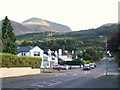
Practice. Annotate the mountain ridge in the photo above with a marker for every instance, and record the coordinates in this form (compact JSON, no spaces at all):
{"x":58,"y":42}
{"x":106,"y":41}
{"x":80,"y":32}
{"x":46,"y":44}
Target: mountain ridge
{"x":37,"y":25}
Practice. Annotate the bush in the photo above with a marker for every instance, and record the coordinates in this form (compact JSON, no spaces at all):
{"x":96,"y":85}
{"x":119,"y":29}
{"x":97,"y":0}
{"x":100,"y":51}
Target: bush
{"x":86,"y":61}
{"x":87,"y":56}
{"x":9,"y":60}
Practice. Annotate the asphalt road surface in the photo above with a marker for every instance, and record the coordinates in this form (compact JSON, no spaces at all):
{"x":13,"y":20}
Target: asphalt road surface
{"x":75,"y":78}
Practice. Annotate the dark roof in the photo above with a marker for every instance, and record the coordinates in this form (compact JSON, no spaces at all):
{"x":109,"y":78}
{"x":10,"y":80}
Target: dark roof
{"x":46,"y":52}
{"x":53,"y":54}
{"x":24,"y":48}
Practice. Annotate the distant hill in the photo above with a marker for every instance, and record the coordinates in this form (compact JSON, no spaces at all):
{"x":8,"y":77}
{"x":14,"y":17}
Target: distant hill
{"x":106,"y":30}
{"x":40,"y":25}
{"x":102,"y":31}
{"x":36,"y":25}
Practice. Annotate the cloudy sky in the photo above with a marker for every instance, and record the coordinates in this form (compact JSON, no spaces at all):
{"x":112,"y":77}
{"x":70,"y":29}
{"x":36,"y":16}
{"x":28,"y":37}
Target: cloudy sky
{"x":77,"y":14}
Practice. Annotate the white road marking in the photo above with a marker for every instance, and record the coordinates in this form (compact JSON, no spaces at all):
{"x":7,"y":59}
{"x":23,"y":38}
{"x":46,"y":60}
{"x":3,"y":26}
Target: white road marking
{"x":64,"y":74}
{"x":74,"y":74}
{"x":54,"y":83}
{"x":46,"y":83}
{"x":37,"y":84}
{"x":100,"y":75}
{"x":86,"y":72}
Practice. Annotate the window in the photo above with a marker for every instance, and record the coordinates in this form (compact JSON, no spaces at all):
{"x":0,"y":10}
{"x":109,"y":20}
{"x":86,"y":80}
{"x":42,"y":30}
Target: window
{"x":23,"y":54}
{"x":36,"y":53}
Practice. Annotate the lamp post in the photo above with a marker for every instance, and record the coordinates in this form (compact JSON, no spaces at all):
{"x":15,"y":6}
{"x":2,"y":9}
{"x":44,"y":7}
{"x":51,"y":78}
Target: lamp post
{"x":106,"y":61}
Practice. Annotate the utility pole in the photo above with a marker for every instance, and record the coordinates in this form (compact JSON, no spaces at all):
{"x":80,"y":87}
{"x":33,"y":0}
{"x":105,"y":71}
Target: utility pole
{"x":106,"y":60}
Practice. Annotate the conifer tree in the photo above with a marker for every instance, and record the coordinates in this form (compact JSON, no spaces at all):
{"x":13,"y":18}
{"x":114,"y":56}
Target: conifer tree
{"x":8,"y":37}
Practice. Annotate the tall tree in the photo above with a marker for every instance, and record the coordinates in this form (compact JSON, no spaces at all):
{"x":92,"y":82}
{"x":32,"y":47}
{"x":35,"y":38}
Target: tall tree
{"x":8,"y":37}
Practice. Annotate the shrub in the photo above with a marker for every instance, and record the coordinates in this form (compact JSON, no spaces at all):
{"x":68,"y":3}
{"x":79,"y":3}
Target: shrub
{"x":86,"y":61}
{"x":9,"y":60}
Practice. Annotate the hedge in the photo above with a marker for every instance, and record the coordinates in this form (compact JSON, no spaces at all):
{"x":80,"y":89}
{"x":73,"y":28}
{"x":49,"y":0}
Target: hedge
{"x":9,"y":60}
{"x":75,"y":62}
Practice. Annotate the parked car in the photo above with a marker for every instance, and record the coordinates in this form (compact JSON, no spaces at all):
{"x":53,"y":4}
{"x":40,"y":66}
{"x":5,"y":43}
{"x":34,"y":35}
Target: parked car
{"x":65,"y":67}
{"x":109,"y":60}
{"x":86,"y":68}
{"x":57,"y":67}
{"x":95,"y":64}
{"x":92,"y":66}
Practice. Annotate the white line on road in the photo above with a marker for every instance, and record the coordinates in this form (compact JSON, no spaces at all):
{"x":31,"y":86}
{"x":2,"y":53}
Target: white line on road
{"x":64,"y":74}
{"x":37,"y":84}
{"x":74,"y":74}
{"x":86,"y":72}
{"x":100,"y":75}
{"x":54,"y":83}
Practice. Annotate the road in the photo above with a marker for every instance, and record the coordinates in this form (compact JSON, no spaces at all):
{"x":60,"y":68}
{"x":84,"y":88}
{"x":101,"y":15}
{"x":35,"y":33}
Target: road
{"x":75,"y":78}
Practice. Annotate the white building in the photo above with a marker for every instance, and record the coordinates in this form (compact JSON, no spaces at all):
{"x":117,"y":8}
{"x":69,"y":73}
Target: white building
{"x":49,"y":58}
{"x":64,"y":57}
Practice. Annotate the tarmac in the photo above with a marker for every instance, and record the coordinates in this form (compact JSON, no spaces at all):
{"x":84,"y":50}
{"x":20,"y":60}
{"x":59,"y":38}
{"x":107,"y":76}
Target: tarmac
{"x":28,"y":77}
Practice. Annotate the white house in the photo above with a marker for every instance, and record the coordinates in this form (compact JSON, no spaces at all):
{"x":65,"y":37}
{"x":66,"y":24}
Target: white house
{"x":31,"y":51}
{"x":65,"y":57}
{"x":50,"y":58}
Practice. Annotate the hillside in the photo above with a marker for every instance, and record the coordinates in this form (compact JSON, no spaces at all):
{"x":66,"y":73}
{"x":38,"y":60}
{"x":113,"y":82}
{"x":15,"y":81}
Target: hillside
{"x":36,"y":25}
{"x":102,"y":31}
{"x":40,"y":25}
{"x":76,"y":40}
{"x":19,"y":28}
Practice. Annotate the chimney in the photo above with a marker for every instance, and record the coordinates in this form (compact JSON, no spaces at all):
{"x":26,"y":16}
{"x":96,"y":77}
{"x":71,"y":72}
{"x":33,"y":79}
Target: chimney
{"x":56,"y":54}
{"x":49,"y":52}
{"x":73,"y":51}
{"x":59,"y":52}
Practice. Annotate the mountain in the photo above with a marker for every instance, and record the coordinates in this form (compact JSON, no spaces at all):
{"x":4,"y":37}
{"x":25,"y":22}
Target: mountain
{"x":36,"y":25}
{"x":19,"y":28}
{"x":41,"y":25}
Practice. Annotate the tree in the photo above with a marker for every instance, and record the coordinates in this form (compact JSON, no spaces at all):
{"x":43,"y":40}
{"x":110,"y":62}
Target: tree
{"x":8,"y":37}
{"x":92,"y":54}
{"x":114,"y":45}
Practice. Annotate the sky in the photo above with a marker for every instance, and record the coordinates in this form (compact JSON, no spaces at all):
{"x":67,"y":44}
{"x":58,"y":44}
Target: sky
{"x":76,"y":14}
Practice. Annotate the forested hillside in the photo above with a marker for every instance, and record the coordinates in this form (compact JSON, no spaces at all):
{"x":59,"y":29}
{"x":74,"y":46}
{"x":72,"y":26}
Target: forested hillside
{"x":103,"y":31}
{"x":77,"y":40}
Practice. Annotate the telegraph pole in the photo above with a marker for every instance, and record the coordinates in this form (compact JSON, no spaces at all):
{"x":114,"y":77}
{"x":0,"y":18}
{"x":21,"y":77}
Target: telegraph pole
{"x":106,"y":60}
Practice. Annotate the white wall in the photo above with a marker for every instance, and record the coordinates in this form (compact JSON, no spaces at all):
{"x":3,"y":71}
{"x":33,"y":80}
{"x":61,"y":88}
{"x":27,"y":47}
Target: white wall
{"x":14,"y":72}
{"x":37,"y":49}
